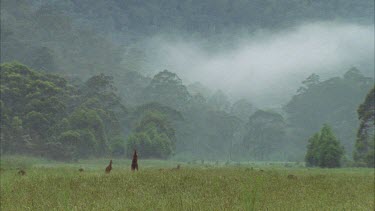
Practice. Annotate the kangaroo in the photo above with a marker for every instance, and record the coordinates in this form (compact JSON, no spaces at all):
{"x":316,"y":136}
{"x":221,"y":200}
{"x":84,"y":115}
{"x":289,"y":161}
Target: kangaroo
{"x":109,"y":167}
{"x":291,"y":176}
{"x":177,"y":168}
{"x":22,"y":172}
{"x":135,"y":161}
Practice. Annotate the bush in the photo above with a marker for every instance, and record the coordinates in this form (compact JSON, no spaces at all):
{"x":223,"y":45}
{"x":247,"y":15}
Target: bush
{"x":324,"y":150}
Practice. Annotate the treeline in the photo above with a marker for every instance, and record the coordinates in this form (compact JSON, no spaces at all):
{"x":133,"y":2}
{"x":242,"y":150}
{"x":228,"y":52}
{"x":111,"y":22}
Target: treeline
{"x":65,"y":118}
{"x":365,"y":143}
{"x":51,"y":116}
{"x":333,"y":101}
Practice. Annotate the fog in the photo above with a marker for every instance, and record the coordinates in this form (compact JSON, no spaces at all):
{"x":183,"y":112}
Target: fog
{"x":86,"y":79}
{"x":267,"y":67}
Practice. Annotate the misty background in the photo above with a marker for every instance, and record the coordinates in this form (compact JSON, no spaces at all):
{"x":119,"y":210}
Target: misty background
{"x":266,"y":67}
{"x":232,"y":66}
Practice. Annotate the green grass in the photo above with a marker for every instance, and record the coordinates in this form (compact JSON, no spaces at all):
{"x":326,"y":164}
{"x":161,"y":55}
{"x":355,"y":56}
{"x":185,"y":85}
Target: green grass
{"x":59,"y":186}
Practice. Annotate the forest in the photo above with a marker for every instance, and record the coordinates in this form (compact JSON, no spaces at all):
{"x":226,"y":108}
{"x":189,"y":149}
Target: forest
{"x":187,"y":105}
{"x":78,"y":81}
{"x":62,"y":118}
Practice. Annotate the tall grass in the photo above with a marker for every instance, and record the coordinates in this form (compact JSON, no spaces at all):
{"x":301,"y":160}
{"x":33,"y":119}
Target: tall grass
{"x":58,"y":186}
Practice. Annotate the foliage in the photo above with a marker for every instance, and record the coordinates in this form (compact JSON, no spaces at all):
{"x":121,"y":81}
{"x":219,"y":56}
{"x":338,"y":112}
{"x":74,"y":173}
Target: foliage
{"x":42,"y":114}
{"x":364,"y":146}
{"x":32,"y":103}
{"x":324,"y":149}
{"x":154,"y":137}
{"x":312,"y":154}
{"x":166,"y":88}
{"x":171,"y":121}
{"x":333,"y":101}
{"x":118,"y":146}
{"x":64,"y":121}
{"x":131,"y":85}
{"x":154,"y":107}
{"x":206,"y":132}
{"x":265,"y":134}
{"x":242,"y":109}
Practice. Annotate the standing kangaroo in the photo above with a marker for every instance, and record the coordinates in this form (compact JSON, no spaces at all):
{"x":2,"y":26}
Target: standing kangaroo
{"x":135,"y":161}
{"x":109,"y":167}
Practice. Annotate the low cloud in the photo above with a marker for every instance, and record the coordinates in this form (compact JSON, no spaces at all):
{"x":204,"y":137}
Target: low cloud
{"x":266,"y":67}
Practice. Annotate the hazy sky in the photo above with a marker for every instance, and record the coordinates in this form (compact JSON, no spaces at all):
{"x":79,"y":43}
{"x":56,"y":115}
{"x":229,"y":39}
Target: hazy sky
{"x":266,"y":67}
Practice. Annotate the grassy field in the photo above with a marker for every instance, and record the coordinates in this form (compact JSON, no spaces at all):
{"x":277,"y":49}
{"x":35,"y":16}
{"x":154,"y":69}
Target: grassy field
{"x":246,"y":186}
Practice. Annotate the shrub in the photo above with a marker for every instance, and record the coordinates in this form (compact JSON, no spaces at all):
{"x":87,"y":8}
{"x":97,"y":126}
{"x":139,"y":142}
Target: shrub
{"x":324,"y":150}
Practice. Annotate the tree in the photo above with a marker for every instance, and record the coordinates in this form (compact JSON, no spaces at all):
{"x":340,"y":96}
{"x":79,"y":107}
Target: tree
{"x":330,"y":152}
{"x":104,"y":113}
{"x":153,"y":138}
{"x":154,"y":107}
{"x":242,"y":109}
{"x":167,"y":88}
{"x":333,"y":101}
{"x":219,"y":101}
{"x":43,"y":114}
{"x":324,"y":150}
{"x":131,"y":85}
{"x":100,"y":83}
{"x":265,"y":134}
{"x":37,"y":122}
{"x":312,"y":156}
{"x":32,"y":105}
{"x":69,"y":140}
{"x":118,"y":146}
{"x":88,"y":119}
{"x":364,"y":146}
{"x":197,"y":88}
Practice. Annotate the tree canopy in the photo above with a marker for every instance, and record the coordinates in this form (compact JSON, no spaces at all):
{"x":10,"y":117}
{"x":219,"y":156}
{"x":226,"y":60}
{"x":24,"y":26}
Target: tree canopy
{"x":365,"y":142}
{"x":333,"y":101}
{"x":324,"y":150}
{"x":63,"y":118}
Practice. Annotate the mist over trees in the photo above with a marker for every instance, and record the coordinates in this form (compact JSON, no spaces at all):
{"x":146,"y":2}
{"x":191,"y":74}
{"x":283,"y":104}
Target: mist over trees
{"x":47,"y":115}
{"x":87,"y":37}
{"x":265,"y":135}
{"x":86,"y":84}
{"x":333,"y":101}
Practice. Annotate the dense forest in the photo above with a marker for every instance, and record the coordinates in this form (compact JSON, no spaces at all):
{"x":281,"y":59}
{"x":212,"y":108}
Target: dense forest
{"x":77,"y":82}
{"x":59,"y":117}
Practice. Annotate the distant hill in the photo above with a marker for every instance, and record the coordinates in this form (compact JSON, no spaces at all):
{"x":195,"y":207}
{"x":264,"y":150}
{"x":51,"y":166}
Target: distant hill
{"x":89,"y":36}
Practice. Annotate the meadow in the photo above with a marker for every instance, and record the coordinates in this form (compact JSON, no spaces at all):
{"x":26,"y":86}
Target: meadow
{"x":200,"y":185}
